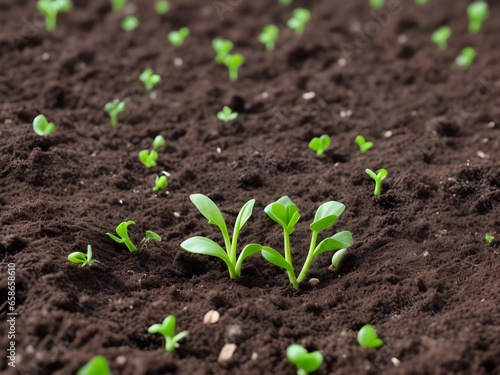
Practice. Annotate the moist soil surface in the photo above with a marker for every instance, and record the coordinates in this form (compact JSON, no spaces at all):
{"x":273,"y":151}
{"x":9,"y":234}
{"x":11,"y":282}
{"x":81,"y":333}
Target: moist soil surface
{"x":420,"y":270}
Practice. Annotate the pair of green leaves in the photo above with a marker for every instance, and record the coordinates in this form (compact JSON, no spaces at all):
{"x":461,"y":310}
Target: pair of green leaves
{"x":51,"y":8}
{"x":167,"y":330}
{"x":320,"y":144}
{"x":268,"y":36}
{"x":378,"y":178}
{"x":148,"y":158}
{"x":299,"y":20}
{"x":114,"y":109}
{"x":176,"y":38}
{"x":233,"y":62}
{"x":205,"y":246}
{"x":149,"y":79}
{"x":43,"y":127}
{"x":227,"y":114}
{"x":368,"y":338}
{"x":81,"y":258}
{"x":306,"y":362}
{"x":122,"y":231}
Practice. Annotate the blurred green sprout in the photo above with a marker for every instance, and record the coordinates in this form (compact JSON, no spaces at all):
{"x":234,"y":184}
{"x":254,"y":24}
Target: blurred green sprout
{"x":50,"y":8}
{"x":148,"y":158}
{"x":96,"y":366}
{"x":222,"y":47}
{"x":162,"y":6}
{"x":367,"y":337}
{"x":363,"y":144}
{"x":478,"y":12}
{"x":118,"y":5}
{"x":441,"y":36}
{"x":114,"y":109}
{"x":319,"y":145}
{"x":177,"y":38}
{"x":268,"y":36}
{"x":306,"y":362}
{"x":299,"y":20}
{"x":466,"y":57}
{"x":130,"y":23}
{"x":489,"y":238}
{"x":161,"y":183}
{"x":150,"y":235}
{"x":233,"y":63}
{"x":149,"y":78}
{"x":158,"y":142}
{"x":227,"y":114}
{"x":43,"y":127}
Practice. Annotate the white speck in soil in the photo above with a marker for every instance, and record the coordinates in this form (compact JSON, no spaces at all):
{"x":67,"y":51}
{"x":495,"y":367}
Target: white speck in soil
{"x":227,"y":352}
{"x":481,"y":154}
{"x":177,"y":215}
{"x":254,"y":356}
{"x":396,"y":362}
{"x":153,"y":95}
{"x":178,"y":61}
{"x":388,"y":134}
{"x":219,"y":150}
{"x":491,"y":125}
{"x":211,"y":317}
{"x":314,"y":281}
{"x":265,"y":95}
{"x":121,"y":360}
{"x":45,"y":56}
{"x":402,"y":39}
{"x":309,"y":95}
{"x":342,"y":62}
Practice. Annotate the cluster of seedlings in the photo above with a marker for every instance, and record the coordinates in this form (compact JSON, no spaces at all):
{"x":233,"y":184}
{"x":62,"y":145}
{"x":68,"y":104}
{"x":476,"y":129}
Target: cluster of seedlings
{"x":283,"y":212}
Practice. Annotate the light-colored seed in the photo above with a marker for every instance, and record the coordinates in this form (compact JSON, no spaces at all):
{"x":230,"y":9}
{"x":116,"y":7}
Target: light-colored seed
{"x":226,"y":353}
{"x":45,"y":56}
{"x":219,"y":150}
{"x":342,"y":62}
{"x":309,"y":95}
{"x":254,"y":356}
{"x":177,"y":215}
{"x":211,"y":317}
{"x":388,"y":134}
{"x":314,"y":281}
{"x":396,"y":362}
{"x":265,"y":95}
{"x":178,"y":61}
{"x":121,"y":360}
{"x":481,"y":154}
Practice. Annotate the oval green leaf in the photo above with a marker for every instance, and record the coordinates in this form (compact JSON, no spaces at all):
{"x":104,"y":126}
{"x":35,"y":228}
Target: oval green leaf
{"x":341,"y":240}
{"x":326,"y":215}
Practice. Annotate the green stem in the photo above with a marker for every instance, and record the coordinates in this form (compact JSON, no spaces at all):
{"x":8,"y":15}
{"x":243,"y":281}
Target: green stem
{"x":234,"y":244}
{"x":378,"y":187}
{"x":114,"y":119}
{"x":232,"y":271}
{"x":51,"y":21}
{"x":288,"y":258}
{"x":130,"y":246}
{"x":309,"y":259}
{"x":233,"y":75}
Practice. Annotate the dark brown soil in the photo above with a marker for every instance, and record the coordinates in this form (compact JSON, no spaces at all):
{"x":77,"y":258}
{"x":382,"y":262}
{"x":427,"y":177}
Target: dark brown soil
{"x":420,"y":270}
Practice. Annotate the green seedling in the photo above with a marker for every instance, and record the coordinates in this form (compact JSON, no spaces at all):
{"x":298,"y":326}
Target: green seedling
{"x":130,"y":23}
{"x":96,"y":366}
{"x":306,"y":362}
{"x":205,"y":246}
{"x":150,"y":235}
{"x":148,"y":158}
{"x":378,"y":178}
{"x":81,"y":258}
{"x":489,"y":238}
{"x":466,"y":57}
{"x":421,"y":2}
{"x":285,"y":213}
{"x":377,"y":4}
{"x":441,"y":36}
{"x":42,"y":127}
{"x":162,"y":6}
{"x":285,"y":2}
{"x":158,"y":142}
{"x":233,"y":63}
{"x":478,"y":12}
{"x":227,"y":114}
{"x":167,"y":330}
{"x":222,"y":47}
{"x":50,"y":8}
{"x":160,"y":183}
{"x":177,"y":37}
{"x":114,"y":109}
{"x":118,"y":5}
{"x":268,"y":36}
{"x":320,"y":144}
{"x":149,"y":78}
{"x":367,"y":337}
{"x":337,"y":257}
{"x":299,"y":20}
{"x":122,"y":231}
{"x":363,"y":144}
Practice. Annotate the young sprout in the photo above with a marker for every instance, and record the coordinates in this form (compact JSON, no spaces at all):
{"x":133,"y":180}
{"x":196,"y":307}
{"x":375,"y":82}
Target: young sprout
{"x":421,"y":2}
{"x":162,"y":6}
{"x":305,"y":362}
{"x":150,"y":235}
{"x":337,"y":257}
{"x":118,"y":5}
{"x":227,"y":114}
{"x":130,"y":23}
{"x":320,"y":144}
{"x":205,"y":246}
{"x":286,"y":214}
{"x":177,"y":37}
{"x":478,"y":12}
{"x":122,"y":231}
{"x":268,"y":36}
{"x":441,"y":36}
{"x":377,"y":4}
{"x":466,"y":57}
{"x":114,"y":109}
{"x":81,"y":258}
{"x":167,"y":330}
{"x":233,"y":63}
{"x":489,"y":238}
{"x":96,"y":366}
{"x":378,"y":178}
{"x":222,"y":47}
{"x":367,"y":337}
{"x":363,"y":144}
{"x":50,"y":8}
{"x":299,"y":20}
{"x":148,"y":158}
{"x":158,"y":142}
{"x":160,"y":183}
{"x":149,"y":78}
{"x":42,"y":127}
{"x":285,"y":2}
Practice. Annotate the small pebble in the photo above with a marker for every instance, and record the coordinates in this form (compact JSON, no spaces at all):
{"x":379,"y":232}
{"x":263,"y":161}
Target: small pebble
{"x":166,"y":173}
{"x":121,"y":201}
{"x":485,"y":140}
{"x":226,"y":353}
{"x":211,"y":317}
{"x":342,"y":62}
{"x":402,"y":39}
{"x":309,"y":95}
{"x":491,"y":125}
{"x":396,"y":362}
{"x":264,"y":95}
{"x":7,"y":121}
{"x":388,"y":134}
{"x":425,"y":254}
{"x":219,"y":150}
{"x":254,"y":356}
{"x":314,"y":281}
{"x":45,"y":56}
{"x":481,"y":154}
{"x":121,"y":360}
{"x":153,"y":95}
{"x":178,"y":61}
{"x":177,"y":215}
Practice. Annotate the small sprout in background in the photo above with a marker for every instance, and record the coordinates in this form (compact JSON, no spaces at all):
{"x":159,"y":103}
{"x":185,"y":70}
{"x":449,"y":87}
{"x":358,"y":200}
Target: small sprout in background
{"x":205,"y":246}
{"x":177,"y":37}
{"x":167,"y":330}
{"x":478,"y":12}
{"x":114,"y":109}
{"x":150,"y":235}
{"x":299,"y":20}
{"x":233,"y":63}
{"x":363,"y":144}
{"x":161,"y":183}
{"x":42,"y":127}
{"x":50,"y":8}
{"x":148,"y":158}
{"x":320,"y":144}
{"x":367,"y":337}
{"x":337,"y":257}
{"x":118,"y":5}
{"x":227,"y":114}
{"x":285,"y":2}
{"x":489,"y":238}
{"x":96,"y":366}
{"x":222,"y":47}
{"x":130,"y":23}
{"x":122,"y":231}
{"x":378,"y":178}
{"x":306,"y":362}
{"x":421,"y":2}
{"x":466,"y":57}
{"x":81,"y":258}
{"x":162,"y":6}
{"x":268,"y":36}
{"x":377,"y":4}
{"x":441,"y":36}
{"x":149,"y":78}
{"x":159,"y":141}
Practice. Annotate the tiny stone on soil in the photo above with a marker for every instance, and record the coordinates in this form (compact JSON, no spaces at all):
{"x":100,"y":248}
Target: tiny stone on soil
{"x":45,"y":56}
{"x":309,"y":95}
{"x":219,"y":150}
{"x":388,"y":134}
{"x":481,"y":154}
{"x":121,"y":360}
{"x":491,"y":125}
{"x":211,"y":317}
{"x":254,"y":356}
{"x":402,"y":39}
{"x":485,"y":140}
{"x":425,"y":254}
{"x":342,"y":62}
{"x":233,"y":331}
{"x":177,"y":215}
{"x":153,"y":95}
{"x":396,"y":362}
{"x":264,"y":95}
{"x":314,"y":281}
{"x":226,"y":353}
{"x":178,"y":61}
{"x":7,"y":121}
